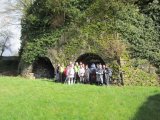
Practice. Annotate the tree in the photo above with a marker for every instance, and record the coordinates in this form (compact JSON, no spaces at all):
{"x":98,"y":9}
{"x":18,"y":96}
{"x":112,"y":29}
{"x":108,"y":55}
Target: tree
{"x":9,"y":22}
{"x":151,"y":8}
{"x":5,"y":43}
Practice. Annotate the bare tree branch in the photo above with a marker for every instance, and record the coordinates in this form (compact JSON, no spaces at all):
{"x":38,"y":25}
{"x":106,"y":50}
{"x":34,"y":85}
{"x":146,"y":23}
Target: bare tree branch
{"x":5,"y":41}
{"x":21,"y":4}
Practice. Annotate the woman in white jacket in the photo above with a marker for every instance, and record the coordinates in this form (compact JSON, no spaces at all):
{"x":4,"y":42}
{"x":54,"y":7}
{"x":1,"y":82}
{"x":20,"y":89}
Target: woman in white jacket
{"x":70,"y":74}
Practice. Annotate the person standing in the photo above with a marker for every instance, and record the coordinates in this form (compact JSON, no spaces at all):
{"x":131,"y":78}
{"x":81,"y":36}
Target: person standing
{"x":93,"y":70}
{"x":87,"y":74}
{"x":106,"y":75}
{"x":81,"y":73}
{"x":110,"y":74}
{"x":99,"y":74}
{"x":76,"y":69}
{"x":104,"y":67}
{"x":61,"y":75}
{"x":70,"y":74}
{"x":66,"y":71}
{"x":57,"y":73}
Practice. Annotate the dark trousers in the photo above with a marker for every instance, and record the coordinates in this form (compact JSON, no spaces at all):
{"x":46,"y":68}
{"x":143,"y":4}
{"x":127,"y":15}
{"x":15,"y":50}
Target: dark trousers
{"x":86,"y":79}
{"x":76,"y":77}
{"x":92,"y":78}
{"x":100,"y":79}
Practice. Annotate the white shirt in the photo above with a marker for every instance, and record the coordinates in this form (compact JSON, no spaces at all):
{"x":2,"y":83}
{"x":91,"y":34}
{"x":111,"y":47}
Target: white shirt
{"x":81,"y":71}
{"x":71,"y":72}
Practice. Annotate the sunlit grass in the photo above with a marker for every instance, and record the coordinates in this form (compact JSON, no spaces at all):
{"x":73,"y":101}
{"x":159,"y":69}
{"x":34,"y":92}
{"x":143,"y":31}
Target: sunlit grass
{"x":23,"y":99}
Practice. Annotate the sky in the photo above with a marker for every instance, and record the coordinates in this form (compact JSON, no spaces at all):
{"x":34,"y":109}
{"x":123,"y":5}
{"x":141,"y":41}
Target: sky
{"x":10,"y":21}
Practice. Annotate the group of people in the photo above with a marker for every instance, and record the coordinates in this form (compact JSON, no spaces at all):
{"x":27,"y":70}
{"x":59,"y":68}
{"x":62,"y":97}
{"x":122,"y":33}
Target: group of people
{"x":81,"y":73}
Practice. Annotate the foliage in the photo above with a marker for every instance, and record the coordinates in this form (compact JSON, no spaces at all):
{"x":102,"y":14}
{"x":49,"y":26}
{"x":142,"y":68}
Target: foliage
{"x":135,"y":28}
{"x":37,"y":17}
{"x":43,"y":99}
{"x":90,"y":25}
{"x":114,"y":47}
{"x":135,"y":74}
{"x":144,"y":65}
{"x":151,"y":8}
{"x":138,"y":77}
{"x":39,"y":46}
{"x":116,"y":70}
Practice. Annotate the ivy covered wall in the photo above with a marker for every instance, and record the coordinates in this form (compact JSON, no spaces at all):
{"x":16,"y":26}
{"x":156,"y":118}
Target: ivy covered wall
{"x":63,"y":30}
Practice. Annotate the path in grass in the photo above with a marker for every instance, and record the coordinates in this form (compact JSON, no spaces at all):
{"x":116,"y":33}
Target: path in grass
{"x":22,"y":99}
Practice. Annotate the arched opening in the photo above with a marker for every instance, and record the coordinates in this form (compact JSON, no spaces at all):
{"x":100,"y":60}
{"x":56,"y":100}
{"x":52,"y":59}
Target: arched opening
{"x":90,"y":58}
{"x":43,"y":68}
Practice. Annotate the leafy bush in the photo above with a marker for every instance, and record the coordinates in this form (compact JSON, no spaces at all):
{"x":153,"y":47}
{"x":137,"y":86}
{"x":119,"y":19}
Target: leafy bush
{"x":139,"y":77}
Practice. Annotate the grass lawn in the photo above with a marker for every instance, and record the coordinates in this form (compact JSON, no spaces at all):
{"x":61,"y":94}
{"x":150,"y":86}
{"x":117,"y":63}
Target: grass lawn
{"x":22,"y":99}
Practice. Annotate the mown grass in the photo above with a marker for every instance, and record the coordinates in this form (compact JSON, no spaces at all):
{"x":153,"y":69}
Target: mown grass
{"x":22,"y":99}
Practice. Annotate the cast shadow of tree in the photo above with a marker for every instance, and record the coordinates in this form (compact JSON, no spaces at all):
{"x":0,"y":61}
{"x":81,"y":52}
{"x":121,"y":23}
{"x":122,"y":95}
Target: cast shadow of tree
{"x":150,"y":110}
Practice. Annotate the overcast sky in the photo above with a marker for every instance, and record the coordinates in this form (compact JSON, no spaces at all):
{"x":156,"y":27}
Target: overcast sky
{"x":10,"y":21}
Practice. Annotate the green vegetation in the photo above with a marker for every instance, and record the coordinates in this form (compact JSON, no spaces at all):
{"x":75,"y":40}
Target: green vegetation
{"x":138,"y":77}
{"x":75,"y":24}
{"x":151,"y":8}
{"x":113,"y":29}
{"x":139,"y":72}
{"x":44,"y":100}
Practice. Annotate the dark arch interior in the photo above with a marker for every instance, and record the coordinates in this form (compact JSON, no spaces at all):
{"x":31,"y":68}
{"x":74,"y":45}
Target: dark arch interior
{"x":43,"y":68}
{"x":90,"y":58}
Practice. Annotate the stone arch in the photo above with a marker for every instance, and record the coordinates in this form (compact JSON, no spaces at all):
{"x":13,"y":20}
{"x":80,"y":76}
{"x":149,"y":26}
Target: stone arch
{"x":43,"y":68}
{"x":89,"y":58}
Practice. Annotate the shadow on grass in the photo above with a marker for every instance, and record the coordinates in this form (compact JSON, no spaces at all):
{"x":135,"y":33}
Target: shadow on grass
{"x":150,"y":110}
